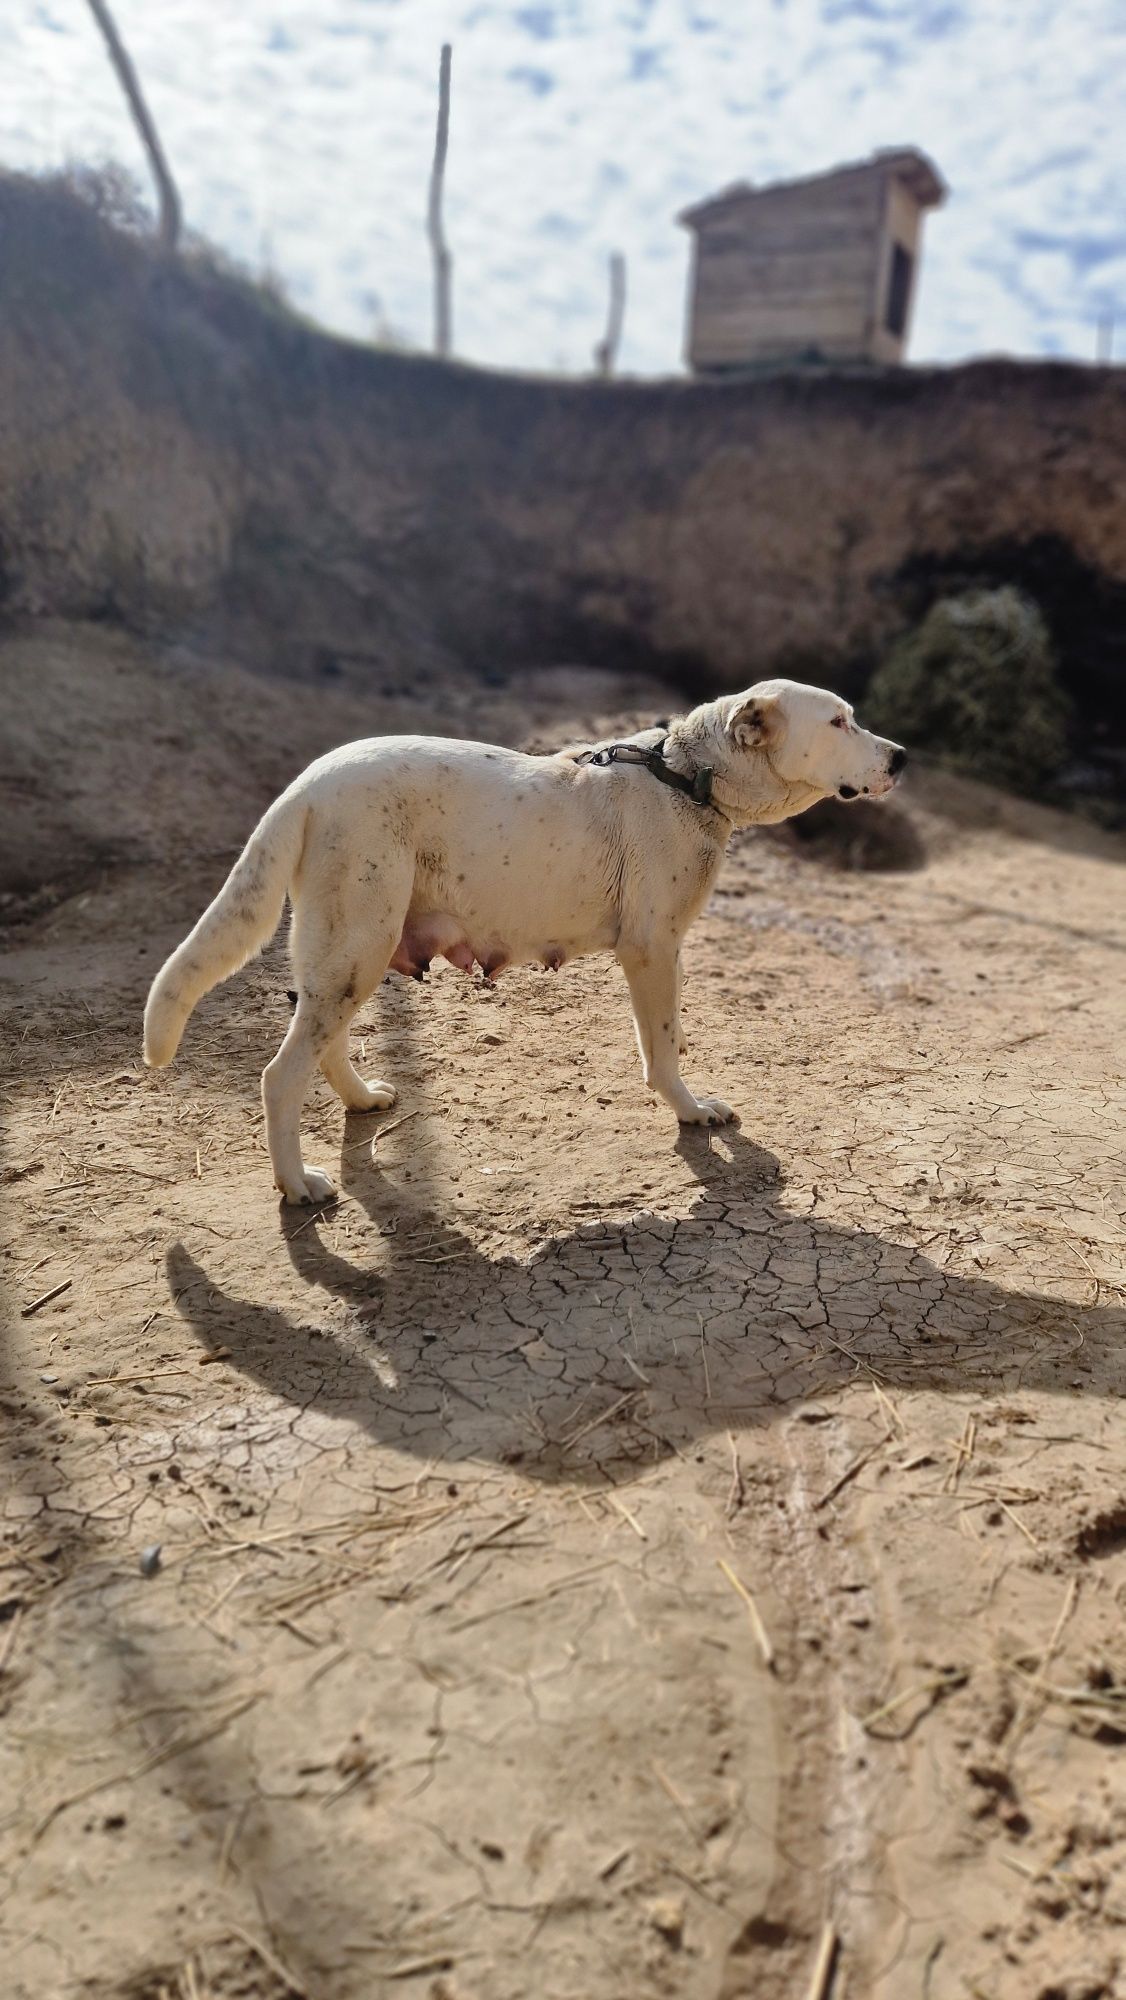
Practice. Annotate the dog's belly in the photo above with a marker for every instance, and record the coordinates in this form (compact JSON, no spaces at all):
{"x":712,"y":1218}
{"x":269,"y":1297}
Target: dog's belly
{"x":438,"y":934}
{"x":516,"y":859}
{"x":432,"y":935}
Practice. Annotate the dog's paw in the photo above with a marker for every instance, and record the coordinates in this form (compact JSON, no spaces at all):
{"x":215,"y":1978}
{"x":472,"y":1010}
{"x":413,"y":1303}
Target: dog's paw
{"x":708,"y":1111}
{"x":373,"y":1096}
{"x":311,"y":1191}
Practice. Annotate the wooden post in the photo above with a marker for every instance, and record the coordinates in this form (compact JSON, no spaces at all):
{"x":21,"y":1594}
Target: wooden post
{"x":606,"y":350}
{"x":443,"y":263}
{"x":170,"y":215}
{"x":1104,"y":338}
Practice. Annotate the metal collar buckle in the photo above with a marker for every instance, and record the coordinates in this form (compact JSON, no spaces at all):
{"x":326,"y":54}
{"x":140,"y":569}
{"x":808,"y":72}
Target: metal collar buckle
{"x":698,"y":787}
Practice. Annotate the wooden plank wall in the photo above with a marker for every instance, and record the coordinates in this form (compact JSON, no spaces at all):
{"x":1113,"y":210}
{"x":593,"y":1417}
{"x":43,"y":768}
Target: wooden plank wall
{"x":902,"y":224}
{"x":796,"y":268}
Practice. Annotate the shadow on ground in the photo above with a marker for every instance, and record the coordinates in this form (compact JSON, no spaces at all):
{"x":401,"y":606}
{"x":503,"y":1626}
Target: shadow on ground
{"x":624,"y":1342}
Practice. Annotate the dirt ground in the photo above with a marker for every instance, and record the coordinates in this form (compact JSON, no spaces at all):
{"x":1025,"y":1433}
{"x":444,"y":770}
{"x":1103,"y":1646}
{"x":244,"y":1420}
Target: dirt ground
{"x":595,"y":1562}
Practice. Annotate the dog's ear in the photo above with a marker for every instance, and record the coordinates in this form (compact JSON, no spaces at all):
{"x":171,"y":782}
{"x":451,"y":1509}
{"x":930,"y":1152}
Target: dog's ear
{"x":754,"y":721}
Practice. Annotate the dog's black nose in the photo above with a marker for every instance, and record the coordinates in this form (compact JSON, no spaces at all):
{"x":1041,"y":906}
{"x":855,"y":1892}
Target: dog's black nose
{"x":896,"y":762}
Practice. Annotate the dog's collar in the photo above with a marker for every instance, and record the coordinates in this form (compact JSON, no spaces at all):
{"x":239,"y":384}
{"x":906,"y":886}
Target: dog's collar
{"x":698,"y":787}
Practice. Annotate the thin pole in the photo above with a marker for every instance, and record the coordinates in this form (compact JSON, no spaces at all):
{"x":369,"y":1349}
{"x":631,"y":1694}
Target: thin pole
{"x":606,"y":351}
{"x":170,"y":215}
{"x":443,"y":262}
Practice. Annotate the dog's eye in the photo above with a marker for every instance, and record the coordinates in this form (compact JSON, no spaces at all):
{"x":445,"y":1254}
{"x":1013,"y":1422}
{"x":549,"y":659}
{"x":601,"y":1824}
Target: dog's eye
{"x":839,"y":722}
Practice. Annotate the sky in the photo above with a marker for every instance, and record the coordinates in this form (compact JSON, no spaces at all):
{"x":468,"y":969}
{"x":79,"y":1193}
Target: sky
{"x":301,"y":135}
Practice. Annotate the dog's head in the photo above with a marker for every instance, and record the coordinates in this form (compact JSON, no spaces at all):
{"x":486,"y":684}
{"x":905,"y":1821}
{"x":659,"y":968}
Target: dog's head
{"x":809,"y":742}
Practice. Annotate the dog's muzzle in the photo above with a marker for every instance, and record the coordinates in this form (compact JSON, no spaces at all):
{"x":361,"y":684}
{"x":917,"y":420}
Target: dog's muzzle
{"x":896,"y":762}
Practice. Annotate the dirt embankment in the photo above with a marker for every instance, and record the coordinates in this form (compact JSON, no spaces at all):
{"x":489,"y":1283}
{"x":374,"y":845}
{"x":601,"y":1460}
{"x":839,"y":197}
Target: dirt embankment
{"x":180,"y":454}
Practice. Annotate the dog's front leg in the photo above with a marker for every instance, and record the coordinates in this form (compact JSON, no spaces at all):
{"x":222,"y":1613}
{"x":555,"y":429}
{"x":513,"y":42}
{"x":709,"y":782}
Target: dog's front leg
{"x":681,"y":1044}
{"x":653,"y":973}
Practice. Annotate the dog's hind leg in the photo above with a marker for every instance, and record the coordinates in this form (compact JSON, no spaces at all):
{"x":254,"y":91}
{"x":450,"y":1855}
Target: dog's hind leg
{"x":338,"y":1070}
{"x":343,"y":939}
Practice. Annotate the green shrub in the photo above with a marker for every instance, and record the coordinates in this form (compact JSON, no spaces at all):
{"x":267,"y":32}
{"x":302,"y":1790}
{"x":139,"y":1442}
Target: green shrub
{"x":975,"y":685}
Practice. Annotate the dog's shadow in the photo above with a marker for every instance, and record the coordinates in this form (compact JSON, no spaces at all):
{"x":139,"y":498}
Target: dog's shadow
{"x":624,"y":1341}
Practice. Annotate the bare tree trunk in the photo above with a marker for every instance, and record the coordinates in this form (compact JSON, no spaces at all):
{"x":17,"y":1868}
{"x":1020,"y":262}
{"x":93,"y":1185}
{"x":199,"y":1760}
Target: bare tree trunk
{"x":606,"y":351}
{"x":127,"y":77}
{"x":443,"y":263}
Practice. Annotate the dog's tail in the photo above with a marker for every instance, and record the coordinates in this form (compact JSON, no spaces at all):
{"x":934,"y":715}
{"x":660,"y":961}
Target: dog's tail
{"x":243,"y":917}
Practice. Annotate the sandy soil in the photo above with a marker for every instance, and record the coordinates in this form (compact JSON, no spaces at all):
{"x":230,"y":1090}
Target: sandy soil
{"x":595,"y":1562}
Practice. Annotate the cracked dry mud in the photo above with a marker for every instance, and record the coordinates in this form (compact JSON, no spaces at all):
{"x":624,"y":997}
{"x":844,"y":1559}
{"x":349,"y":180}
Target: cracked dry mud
{"x":447,"y":1682}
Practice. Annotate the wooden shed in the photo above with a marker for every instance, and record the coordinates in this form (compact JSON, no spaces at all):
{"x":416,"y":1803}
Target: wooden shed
{"x":821,"y":269}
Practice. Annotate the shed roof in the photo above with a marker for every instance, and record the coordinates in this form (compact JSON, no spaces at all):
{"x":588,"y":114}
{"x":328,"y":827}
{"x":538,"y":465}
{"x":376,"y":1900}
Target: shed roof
{"x":903,"y":163}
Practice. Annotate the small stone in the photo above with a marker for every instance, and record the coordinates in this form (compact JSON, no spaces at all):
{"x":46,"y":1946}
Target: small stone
{"x":150,"y":1560}
{"x":666,"y":1914}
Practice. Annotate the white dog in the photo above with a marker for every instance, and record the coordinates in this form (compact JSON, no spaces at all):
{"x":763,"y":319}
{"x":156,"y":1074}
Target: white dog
{"x":404,"y":848}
